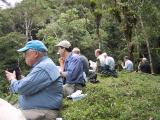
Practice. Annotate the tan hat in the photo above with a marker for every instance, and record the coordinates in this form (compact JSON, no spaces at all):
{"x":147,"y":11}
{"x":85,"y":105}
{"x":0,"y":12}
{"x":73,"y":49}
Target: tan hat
{"x":64,"y":43}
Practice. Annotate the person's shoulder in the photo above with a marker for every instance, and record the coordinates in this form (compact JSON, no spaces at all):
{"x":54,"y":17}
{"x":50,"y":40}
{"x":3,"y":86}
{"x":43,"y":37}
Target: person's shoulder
{"x":47,"y":62}
{"x":72,"y":58}
{"x":100,"y":57}
{"x":109,"y":57}
{"x":75,"y":57}
{"x":129,"y":61}
{"x":83,"y":57}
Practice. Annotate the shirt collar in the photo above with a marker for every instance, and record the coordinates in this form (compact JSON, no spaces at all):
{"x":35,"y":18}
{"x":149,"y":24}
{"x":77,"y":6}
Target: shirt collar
{"x":70,"y":54}
{"x":39,"y":60}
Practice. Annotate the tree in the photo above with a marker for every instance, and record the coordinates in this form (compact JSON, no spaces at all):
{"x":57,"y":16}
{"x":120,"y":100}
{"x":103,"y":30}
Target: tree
{"x":9,"y":44}
{"x":31,"y":14}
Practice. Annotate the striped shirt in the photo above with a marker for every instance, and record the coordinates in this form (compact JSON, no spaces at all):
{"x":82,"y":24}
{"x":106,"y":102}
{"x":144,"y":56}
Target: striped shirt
{"x":41,"y":88}
{"x":73,"y":66}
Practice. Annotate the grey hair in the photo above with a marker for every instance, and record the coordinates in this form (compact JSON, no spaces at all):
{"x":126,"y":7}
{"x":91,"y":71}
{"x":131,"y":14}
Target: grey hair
{"x":76,"y":50}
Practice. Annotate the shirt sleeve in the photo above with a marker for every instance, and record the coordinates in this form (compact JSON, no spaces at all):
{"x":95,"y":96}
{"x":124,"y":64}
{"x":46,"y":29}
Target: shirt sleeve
{"x":35,"y":81}
{"x":73,"y":70}
{"x":125,"y":65}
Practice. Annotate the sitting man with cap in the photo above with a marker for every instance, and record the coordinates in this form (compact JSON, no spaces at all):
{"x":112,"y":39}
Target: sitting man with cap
{"x":73,"y":69}
{"x":41,"y":90}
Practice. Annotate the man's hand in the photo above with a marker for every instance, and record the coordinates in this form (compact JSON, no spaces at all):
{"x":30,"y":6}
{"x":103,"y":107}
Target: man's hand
{"x":10,"y":76}
{"x":61,"y":62}
{"x":122,"y":64}
{"x":63,"y":74}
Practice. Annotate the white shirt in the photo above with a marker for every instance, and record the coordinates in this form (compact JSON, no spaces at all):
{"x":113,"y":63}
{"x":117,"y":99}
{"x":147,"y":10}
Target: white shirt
{"x":128,"y":65}
{"x":102,"y":60}
{"x":110,"y":61}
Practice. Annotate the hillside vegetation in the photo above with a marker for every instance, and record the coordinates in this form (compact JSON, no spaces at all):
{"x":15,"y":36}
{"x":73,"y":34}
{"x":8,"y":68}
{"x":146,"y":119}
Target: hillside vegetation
{"x":131,"y":96}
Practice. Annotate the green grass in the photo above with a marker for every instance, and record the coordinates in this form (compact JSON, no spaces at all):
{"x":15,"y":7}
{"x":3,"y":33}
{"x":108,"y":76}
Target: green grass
{"x":131,"y":96}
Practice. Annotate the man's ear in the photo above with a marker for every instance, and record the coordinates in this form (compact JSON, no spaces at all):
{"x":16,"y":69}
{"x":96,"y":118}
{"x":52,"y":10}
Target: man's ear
{"x":36,"y":54}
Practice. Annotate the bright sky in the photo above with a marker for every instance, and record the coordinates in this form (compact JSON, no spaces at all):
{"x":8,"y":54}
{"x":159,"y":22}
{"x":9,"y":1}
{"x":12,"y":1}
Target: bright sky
{"x":12,"y":2}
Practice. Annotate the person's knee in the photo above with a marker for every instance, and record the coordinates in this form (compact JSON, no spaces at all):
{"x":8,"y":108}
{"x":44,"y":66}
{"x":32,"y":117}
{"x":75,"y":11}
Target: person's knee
{"x":68,"y":89}
{"x":33,"y":115}
{"x":36,"y":114}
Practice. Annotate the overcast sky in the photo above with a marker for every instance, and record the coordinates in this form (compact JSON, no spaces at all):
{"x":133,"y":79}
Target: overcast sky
{"x":12,"y":3}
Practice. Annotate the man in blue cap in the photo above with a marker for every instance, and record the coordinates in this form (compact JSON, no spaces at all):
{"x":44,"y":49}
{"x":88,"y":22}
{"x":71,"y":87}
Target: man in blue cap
{"x":41,"y":90}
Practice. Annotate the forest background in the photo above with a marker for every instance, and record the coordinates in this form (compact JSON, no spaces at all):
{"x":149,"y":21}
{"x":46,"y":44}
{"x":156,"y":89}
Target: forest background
{"x":117,"y":27}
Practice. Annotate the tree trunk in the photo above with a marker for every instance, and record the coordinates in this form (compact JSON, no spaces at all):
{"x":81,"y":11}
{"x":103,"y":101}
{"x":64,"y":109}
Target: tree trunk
{"x":28,"y":25}
{"x":148,"y":46}
{"x":26,"y":28}
{"x":98,"y":37}
{"x":128,"y":32}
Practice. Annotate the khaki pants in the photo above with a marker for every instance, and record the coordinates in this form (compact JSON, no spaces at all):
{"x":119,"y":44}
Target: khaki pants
{"x":35,"y":114}
{"x":68,"y":89}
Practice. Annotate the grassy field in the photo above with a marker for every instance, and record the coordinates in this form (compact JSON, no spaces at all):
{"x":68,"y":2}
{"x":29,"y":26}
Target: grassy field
{"x":131,"y":96}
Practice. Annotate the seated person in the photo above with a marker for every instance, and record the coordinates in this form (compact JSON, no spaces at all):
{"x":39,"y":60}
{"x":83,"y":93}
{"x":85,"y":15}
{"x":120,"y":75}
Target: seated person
{"x":101,"y":60}
{"x":109,"y":68}
{"x":84,"y":61}
{"x":110,"y":63}
{"x":72,"y":69}
{"x":128,"y":64}
{"x":144,"y":66}
{"x":104,"y":64}
{"x":97,"y":67}
{"x":41,"y":90}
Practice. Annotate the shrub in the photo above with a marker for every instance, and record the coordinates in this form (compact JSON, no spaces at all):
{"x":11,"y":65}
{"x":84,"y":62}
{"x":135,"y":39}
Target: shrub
{"x":130,"y":96}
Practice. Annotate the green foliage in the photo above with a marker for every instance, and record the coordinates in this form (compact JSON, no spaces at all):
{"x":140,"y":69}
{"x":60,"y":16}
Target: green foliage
{"x":6,"y":23}
{"x":3,"y":86}
{"x":156,"y":56}
{"x":8,"y":46}
{"x":69,"y":26}
{"x":86,"y":24}
{"x":93,"y":4}
{"x":130,"y":96}
{"x":156,"y":51}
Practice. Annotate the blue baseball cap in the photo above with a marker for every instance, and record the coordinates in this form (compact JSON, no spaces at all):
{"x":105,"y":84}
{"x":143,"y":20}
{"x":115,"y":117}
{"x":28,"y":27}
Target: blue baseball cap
{"x":34,"y":45}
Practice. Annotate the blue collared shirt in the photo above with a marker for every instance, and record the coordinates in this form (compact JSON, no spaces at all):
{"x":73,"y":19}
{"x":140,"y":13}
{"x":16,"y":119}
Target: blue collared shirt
{"x":73,"y":67}
{"x":41,"y":88}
